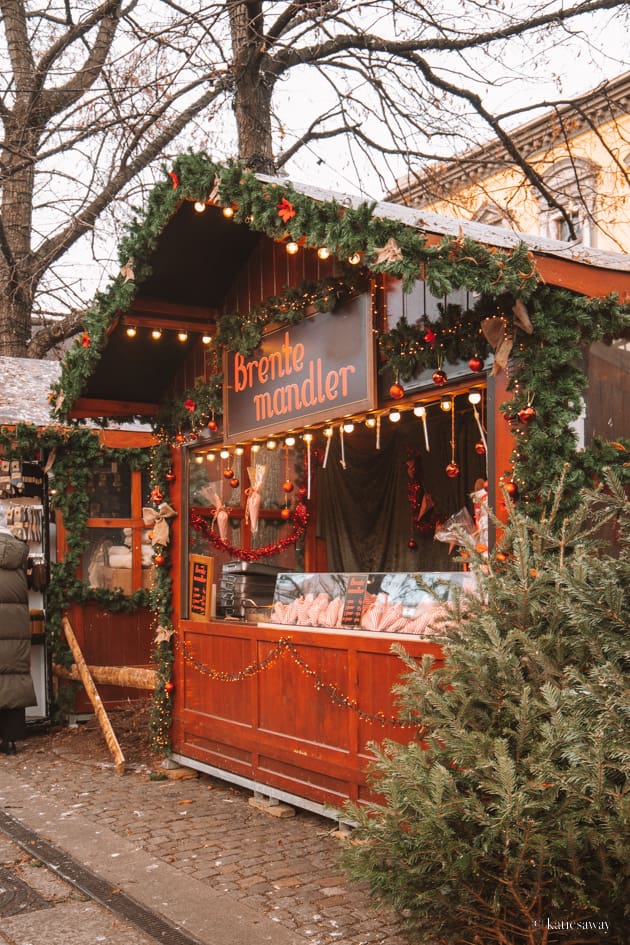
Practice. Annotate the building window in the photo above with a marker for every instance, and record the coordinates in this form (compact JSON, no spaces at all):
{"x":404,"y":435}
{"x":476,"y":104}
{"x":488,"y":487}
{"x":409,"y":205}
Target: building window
{"x":573,"y":183}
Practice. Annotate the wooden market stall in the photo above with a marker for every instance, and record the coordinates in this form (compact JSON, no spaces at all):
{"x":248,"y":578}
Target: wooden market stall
{"x":327,"y":383}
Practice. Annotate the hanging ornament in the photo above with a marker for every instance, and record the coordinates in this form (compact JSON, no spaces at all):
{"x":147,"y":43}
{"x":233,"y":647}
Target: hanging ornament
{"x":396,"y":391}
{"x":159,"y":559}
{"x":452,"y":470}
{"x":480,"y":448}
{"x":228,"y":472}
{"x":412,"y":544}
{"x":476,"y":364}
{"x":439,"y":377}
{"x":170,"y":476}
{"x":308,"y":439}
{"x":342,"y":461}
{"x":156,"y":495}
{"x":212,"y":424}
{"x":285,"y":513}
{"x":234,"y":482}
{"x":527,"y":414}
{"x":169,"y":686}
{"x":256,"y":475}
{"x":287,"y":486}
{"x":511,"y":488}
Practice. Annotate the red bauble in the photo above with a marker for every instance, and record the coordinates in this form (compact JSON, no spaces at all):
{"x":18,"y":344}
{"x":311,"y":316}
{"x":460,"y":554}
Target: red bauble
{"x":169,"y":686}
{"x":511,"y":488}
{"x":480,"y":448}
{"x":156,"y":495}
{"x":412,"y":544}
{"x":235,"y":483}
{"x":287,"y":486}
{"x":192,"y":437}
{"x":170,"y":476}
{"x":228,"y":473}
{"x":159,"y":559}
{"x":476,"y":364}
{"x":439,"y":378}
{"x":396,"y":391}
{"x":452,"y":470}
{"x":302,"y":493}
{"x":526,"y":414}
{"x":213,"y":425}
{"x":180,"y":438}
{"x":285,"y":513}
{"x":429,"y":336}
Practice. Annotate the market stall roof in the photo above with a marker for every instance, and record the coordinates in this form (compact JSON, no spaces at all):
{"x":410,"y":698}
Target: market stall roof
{"x":196,"y":257}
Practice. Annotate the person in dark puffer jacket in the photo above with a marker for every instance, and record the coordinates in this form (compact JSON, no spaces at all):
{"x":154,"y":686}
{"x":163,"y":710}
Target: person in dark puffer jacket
{"x":16,"y":685}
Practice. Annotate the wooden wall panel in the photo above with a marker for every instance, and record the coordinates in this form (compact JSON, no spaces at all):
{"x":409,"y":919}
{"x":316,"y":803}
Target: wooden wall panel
{"x":281,"y":726}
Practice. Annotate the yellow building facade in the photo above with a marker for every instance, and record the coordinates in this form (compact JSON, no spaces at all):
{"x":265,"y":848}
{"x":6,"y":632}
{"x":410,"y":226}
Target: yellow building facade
{"x":580,"y":152}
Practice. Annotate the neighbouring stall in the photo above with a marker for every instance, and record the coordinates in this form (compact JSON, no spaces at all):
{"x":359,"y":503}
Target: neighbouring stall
{"x":337,"y":392}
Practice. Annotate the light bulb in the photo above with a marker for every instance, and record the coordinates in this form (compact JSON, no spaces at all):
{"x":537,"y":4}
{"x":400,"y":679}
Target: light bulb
{"x":224,"y":454}
{"x":370,"y":422}
{"x":206,"y":339}
{"x":255,"y":447}
{"x":394,"y":416}
{"x":355,"y":259}
{"x":199,"y":458}
{"x":156,"y":334}
{"x":328,"y":432}
{"x":182,"y":336}
{"x":292,"y":247}
{"x":307,"y":437}
{"x":131,"y":331}
{"x":271,"y":444}
{"x":211,"y":457}
{"x":446,"y":404}
{"x":228,"y":212}
{"x":323,"y":252}
{"x":474,"y":397}
{"x":348,"y":427}
{"x":289,"y":441}
{"x":239,"y":451}
{"x":199,"y":206}
{"x":419,"y":410}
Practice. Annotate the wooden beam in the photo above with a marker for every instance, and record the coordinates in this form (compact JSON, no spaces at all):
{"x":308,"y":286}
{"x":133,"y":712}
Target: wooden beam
{"x":95,"y":699}
{"x":134,"y":677}
{"x":86,"y":407}
{"x":174,"y":324}
{"x":197,"y":313}
{"x":587,"y":280}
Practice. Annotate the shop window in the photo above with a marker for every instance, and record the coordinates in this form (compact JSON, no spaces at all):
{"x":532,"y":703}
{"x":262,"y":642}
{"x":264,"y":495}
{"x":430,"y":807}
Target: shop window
{"x":221,"y":484}
{"x":119,"y":554}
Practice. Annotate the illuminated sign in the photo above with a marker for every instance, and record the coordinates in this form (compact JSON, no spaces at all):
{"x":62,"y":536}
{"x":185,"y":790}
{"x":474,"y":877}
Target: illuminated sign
{"x":320,"y":370}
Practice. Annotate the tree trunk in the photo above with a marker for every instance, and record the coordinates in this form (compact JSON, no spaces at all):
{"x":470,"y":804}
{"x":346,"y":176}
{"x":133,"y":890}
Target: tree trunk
{"x":253,"y":87}
{"x":17,"y":285}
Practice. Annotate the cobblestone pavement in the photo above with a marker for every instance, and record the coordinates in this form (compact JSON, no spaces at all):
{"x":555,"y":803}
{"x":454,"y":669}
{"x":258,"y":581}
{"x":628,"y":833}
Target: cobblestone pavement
{"x":285,"y":869}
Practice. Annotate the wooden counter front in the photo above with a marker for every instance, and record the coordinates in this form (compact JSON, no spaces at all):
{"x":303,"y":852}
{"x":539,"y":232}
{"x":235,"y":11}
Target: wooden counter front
{"x":277,"y":722}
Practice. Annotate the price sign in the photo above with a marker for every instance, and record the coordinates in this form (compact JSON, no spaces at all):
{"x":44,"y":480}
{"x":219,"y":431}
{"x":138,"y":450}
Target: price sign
{"x":201,"y":571}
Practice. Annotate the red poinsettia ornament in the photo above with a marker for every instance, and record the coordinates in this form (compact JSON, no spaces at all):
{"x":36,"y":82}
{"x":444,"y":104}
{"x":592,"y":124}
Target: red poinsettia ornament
{"x":286,"y":210}
{"x":189,"y":405}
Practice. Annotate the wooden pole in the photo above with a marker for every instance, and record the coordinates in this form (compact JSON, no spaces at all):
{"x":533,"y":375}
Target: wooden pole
{"x":95,"y":699}
{"x":134,"y":677}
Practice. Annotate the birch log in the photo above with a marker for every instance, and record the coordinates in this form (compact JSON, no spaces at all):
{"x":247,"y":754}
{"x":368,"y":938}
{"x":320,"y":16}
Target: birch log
{"x":134,"y":677}
{"x":95,"y":699}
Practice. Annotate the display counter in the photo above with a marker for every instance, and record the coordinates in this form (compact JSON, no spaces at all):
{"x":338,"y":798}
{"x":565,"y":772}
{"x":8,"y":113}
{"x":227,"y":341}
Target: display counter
{"x":288,"y":711}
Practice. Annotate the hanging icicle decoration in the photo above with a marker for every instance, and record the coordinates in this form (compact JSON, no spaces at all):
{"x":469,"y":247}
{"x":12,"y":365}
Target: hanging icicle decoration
{"x":422,"y":413}
{"x":308,"y":439}
{"x":328,"y":432}
{"x":378,"y":431}
{"x":482,"y":432}
{"x":452,"y":470}
{"x":343,"y":446}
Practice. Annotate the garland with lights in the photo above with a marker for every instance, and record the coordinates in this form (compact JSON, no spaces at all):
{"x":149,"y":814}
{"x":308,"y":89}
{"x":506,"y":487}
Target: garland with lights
{"x":285,"y":646}
{"x":299,"y":519}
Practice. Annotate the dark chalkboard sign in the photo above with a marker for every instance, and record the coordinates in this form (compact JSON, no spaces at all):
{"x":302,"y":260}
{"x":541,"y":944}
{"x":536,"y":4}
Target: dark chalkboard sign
{"x":201,"y":571}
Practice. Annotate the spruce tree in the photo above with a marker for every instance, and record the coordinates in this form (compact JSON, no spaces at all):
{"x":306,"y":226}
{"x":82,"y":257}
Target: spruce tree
{"x":506,"y":820}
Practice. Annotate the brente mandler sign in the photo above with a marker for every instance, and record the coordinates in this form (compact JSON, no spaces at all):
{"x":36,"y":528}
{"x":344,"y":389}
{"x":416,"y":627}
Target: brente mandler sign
{"x":320,"y":370}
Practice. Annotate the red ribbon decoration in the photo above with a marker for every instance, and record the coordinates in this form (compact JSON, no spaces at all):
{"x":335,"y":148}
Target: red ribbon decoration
{"x":299,"y":517}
